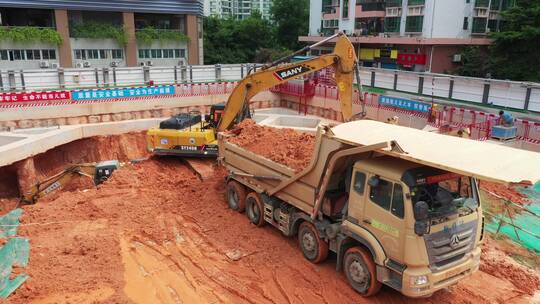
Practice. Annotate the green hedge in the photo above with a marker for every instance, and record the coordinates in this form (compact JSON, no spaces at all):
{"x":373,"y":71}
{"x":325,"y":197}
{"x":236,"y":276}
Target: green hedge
{"x":29,"y":34}
{"x":94,"y":30}
{"x":149,"y":34}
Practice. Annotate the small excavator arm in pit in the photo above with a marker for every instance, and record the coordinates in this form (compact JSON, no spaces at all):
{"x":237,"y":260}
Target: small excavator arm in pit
{"x":98,"y":172}
{"x":343,"y":59}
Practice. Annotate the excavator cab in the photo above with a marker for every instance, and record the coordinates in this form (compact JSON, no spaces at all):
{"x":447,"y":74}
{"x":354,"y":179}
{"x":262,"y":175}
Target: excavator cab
{"x":216,"y":111}
{"x":104,"y":170}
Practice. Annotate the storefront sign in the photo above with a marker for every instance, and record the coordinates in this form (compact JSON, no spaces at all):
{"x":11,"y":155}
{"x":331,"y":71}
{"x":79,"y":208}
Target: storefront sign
{"x":34,"y":96}
{"x":122,"y":93}
{"x":410,"y":59}
{"x":405,"y":104}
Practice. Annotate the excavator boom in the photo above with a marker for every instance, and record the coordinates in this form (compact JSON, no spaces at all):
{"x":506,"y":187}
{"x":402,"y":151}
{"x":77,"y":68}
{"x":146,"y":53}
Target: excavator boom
{"x":343,"y":59}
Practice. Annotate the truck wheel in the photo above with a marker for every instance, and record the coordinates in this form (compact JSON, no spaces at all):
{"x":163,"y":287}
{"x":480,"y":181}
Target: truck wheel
{"x":313,"y":247}
{"x":361,"y":271}
{"x":236,"y":196}
{"x":255,"y":209}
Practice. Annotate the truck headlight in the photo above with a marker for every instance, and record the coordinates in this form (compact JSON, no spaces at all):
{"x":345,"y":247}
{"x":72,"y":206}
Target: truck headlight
{"x":419,"y":280}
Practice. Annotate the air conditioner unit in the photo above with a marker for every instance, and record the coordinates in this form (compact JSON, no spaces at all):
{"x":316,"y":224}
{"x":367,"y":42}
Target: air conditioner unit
{"x":149,"y":63}
{"x":456,"y":58}
{"x":142,"y":64}
{"x":54,"y":65}
{"x":114,"y":64}
{"x":44,"y":64}
{"x":182,"y":61}
{"x":87,"y":64}
{"x":79,"y":65}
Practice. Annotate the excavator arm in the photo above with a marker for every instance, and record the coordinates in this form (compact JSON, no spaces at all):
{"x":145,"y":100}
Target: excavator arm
{"x":97,"y":172}
{"x":343,"y":59}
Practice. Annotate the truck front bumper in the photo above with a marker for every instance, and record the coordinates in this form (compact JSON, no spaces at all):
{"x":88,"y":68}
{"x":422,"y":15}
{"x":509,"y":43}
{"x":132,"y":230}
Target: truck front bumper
{"x":438,"y":280}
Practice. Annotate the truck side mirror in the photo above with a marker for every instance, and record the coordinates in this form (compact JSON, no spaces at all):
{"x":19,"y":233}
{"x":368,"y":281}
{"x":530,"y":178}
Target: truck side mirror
{"x":420,"y":228}
{"x":421,"y":210}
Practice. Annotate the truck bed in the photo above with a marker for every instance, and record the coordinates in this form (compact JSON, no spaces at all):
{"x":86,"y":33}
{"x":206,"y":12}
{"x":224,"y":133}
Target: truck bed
{"x":267,"y":176}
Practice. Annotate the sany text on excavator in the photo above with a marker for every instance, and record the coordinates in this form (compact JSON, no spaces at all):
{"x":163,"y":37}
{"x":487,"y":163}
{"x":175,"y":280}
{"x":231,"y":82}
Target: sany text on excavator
{"x":98,"y":172}
{"x":187,"y":135}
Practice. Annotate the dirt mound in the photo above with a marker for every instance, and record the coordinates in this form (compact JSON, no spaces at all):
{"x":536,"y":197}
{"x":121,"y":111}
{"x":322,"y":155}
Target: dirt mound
{"x":505,"y":192}
{"x":285,"y":146}
{"x":499,"y":264}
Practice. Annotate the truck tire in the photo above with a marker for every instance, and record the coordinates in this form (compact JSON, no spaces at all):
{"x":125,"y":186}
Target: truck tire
{"x":361,"y":271}
{"x":313,"y":247}
{"x":236,"y":196}
{"x":255,"y":209}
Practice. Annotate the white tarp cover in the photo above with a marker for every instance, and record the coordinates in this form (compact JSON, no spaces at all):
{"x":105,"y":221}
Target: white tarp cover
{"x":483,"y":160}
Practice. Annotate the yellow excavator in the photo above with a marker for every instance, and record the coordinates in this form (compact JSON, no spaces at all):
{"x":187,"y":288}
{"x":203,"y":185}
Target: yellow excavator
{"x":98,"y":172}
{"x":188,"y":135}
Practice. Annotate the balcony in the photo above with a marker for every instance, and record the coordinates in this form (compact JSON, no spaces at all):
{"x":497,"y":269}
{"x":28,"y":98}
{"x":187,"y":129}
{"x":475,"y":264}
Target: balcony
{"x":394,"y":3}
{"x":370,"y":7}
{"x":481,"y":3}
{"x":414,"y":24}
{"x":392,"y":25}
{"x":495,"y":5}
{"x":416,"y":2}
{"x":479,"y":26}
{"x":368,"y":26}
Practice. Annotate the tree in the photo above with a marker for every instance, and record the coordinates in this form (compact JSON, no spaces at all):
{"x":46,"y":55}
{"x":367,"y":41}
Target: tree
{"x":514,"y":53}
{"x":236,"y":41}
{"x":475,"y":62}
{"x":291,"y":18}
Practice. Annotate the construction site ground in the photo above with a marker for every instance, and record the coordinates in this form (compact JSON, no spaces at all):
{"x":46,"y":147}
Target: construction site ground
{"x":156,"y":232}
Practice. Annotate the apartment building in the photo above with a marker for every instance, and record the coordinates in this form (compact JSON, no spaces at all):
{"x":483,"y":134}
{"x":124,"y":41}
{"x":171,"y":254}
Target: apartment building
{"x":418,"y":35}
{"x":43,"y":34}
{"x":236,"y":9}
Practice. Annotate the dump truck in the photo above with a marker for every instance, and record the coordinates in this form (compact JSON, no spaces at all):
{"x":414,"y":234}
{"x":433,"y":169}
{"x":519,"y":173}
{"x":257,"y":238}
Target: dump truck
{"x":398,"y":206}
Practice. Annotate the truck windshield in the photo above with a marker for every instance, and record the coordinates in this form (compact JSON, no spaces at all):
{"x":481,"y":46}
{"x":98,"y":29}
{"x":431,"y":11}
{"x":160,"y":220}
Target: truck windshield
{"x":446,"y":194}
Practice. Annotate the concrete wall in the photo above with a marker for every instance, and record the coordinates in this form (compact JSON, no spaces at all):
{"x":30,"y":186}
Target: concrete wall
{"x":315,"y":16}
{"x":444,"y":19}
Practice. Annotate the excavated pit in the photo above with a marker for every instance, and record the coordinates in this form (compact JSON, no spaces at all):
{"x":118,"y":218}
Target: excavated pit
{"x":156,"y":233}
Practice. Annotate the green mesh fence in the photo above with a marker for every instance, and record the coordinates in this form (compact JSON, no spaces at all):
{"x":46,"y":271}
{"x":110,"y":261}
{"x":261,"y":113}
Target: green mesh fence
{"x":529,"y":221}
{"x":15,"y":252}
{"x":9,"y":224}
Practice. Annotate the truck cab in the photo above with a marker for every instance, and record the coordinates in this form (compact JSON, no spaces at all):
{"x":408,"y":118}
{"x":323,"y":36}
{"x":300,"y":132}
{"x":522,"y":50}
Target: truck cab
{"x":422,"y":225}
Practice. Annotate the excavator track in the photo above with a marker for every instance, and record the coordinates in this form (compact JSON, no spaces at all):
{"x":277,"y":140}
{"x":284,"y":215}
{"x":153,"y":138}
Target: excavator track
{"x":204,"y":168}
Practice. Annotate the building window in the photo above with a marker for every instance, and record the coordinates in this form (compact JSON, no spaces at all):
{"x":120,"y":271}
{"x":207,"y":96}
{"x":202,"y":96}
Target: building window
{"x":156,"y":53}
{"x":4,"y":55}
{"x":118,"y":54}
{"x":92,"y":54}
{"x":168,"y":53}
{"x":17,"y":55}
{"x":345,"y":12}
{"x":102,"y":54}
{"x":392,"y":25}
{"x":48,"y":54}
{"x":414,"y":24}
{"x":29,"y":55}
{"x":36,"y":54}
{"x":466,"y":23}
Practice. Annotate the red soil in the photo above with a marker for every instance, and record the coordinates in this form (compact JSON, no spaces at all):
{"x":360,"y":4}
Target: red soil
{"x":285,"y":146}
{"x":155,"y":233}
{"x":504,"y":192}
